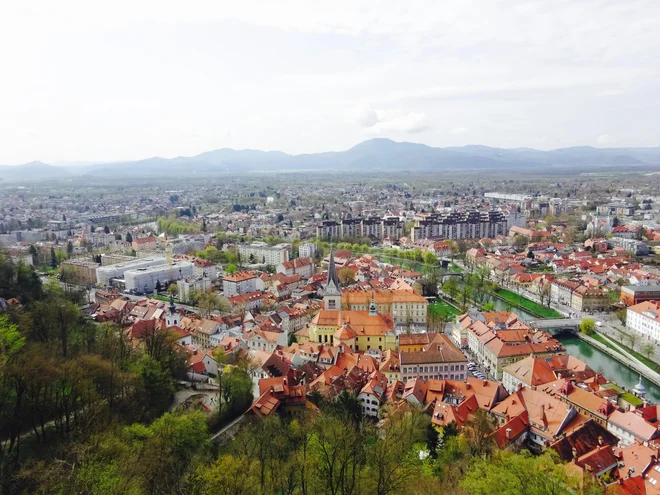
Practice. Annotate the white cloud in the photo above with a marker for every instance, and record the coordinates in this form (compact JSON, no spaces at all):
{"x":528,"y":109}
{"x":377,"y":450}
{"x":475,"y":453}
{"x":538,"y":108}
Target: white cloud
{"x":380,"y":121}
{"x":365,"y":116}
{"x":606,"y":140}
{"x":459,"y":130}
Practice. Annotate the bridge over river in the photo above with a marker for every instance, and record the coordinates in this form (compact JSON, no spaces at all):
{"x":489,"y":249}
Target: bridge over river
{"x":553,"y":325}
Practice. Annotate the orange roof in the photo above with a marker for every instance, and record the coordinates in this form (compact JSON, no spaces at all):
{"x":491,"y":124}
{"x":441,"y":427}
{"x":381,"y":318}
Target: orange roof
{"x":361,"y":321}
{"x":381,"y":297}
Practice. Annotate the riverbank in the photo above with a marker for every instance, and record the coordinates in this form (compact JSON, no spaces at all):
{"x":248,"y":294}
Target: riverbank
{"x":622,"y":358}
{"x":526,"y":304}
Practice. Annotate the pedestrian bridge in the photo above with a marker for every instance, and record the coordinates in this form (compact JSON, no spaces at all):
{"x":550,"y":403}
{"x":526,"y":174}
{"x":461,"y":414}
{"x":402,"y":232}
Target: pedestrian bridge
{"x":556,"y":324}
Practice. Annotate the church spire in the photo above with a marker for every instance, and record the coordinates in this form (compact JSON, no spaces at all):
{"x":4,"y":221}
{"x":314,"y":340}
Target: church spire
{"x":332,"y":271}
{"x":332,"y":292}
{"x":372,"y":305}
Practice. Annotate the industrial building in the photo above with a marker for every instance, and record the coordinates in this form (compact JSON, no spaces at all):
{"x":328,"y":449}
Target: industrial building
{"x":146,"y":279}
{"x":105,"y":274}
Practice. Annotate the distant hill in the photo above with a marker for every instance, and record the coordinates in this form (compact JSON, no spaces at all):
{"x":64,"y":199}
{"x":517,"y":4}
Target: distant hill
{"x":378,"y":154}
{"x":387,"y":155}
{"x":31,"y":171}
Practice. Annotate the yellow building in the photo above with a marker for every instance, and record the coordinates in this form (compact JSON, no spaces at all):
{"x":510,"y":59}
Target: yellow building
{"x":360,"y":330}
{"x":372,"y":330}
{"x":407,"y":306}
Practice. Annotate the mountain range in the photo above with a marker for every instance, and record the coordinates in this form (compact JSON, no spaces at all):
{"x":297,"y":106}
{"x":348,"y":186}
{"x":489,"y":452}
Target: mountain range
{"x":378,"y":154}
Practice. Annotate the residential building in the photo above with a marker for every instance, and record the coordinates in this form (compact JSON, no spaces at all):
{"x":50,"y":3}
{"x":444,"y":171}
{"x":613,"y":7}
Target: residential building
{"x":644,"y":319}
{"x":141,"y":244}
{"x":392,"y":228}
{"x":262,"y":253}
{"x":328,"y":230}
{"x":82,"y":271}
{"x":533,"y":372}
{"x":577,"y":296}
{"x":189,"y":285}
{"x":438,"y":360}
{"x":372,"y":227}
{"x":636,"y":247}
{"x":351,"y":227}
{"x":239,"y":283}
{"x":372,"y":394}
{"x":632,"y":428}
{"x":461,"y":225}
{"x":305,"y":267}
{"x":307,"y":250}
{"x":501,"y":339}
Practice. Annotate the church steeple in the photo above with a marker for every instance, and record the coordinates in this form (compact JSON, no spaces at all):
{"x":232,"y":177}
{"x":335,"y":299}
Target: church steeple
{"x":332,"y":292}
{"x":172,"y":318}
{"x":372,"y":306}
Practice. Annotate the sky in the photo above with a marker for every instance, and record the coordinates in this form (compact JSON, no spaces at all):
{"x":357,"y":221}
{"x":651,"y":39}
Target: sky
{"x":104,"y":81}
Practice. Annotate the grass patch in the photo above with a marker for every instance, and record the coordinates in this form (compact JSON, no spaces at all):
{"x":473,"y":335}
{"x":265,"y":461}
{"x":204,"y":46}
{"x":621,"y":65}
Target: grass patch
{"x":632,"y":399}
{"x":455,"y":268}
{"x":529,"y":305}
{"x":606,"y":343}
{"x":642,"y":359}
{"x":443,"y":308}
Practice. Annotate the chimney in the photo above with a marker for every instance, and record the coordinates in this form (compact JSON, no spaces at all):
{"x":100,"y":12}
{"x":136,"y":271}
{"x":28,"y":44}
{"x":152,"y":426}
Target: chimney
{"x":508,"y":433}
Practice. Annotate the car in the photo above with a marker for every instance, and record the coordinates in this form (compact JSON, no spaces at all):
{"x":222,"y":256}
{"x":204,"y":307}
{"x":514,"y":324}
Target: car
{"x":599,"y":323}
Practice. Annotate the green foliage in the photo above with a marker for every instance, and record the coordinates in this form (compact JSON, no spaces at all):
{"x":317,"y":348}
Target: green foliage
{"x":19,"y":281}
{"x":588,"y":326}
{"x":507,"y":473}
{"x":236,"y":390}
{"x":173,"y":226}
{"x":231,"y":269}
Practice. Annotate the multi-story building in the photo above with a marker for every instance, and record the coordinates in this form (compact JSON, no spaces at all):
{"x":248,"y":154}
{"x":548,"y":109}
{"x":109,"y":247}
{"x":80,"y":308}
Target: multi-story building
{"x":438,"y":360}
{"x":148,"y":243}
{"x":636,"y":247}
{"x":392,"y":228}
{"x":305,"y":267}
{"x":577,"y":296}
{"x":625,"y":209}
{"x":461,"y":225}
{"x":262,"y":253}
{"x":82,"y":271}
{"x":404,"y":305}
{"x":114,"y":258}
{"x":328,"y":230}
{"x":533,"y":372}
{"x":188,"y":286}
{"x":146,"y":279}
{"x":351,"y":227}
{"x":644,"y":319}
{"x":499,"y":339}
{"x":239,"y":283}
{"x":635,"y":294}
{"x":307,"y":250}
{"x":105,"y":274}
{"x":372,"y":227}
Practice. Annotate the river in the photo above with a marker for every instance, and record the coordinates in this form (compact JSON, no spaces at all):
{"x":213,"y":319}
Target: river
{"x":611,"y":369}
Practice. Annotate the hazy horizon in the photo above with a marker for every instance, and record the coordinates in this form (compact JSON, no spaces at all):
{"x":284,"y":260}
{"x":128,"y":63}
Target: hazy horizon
{"x":82,"y":163}
{"x":91,"y":83}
